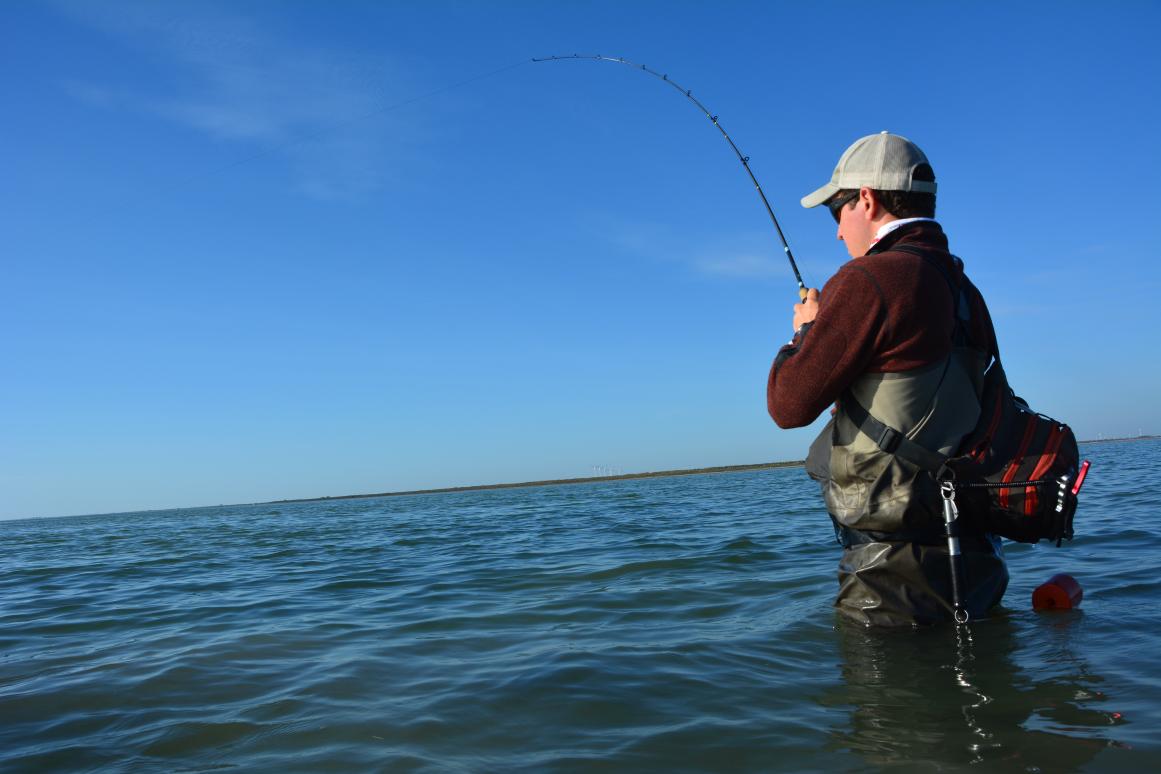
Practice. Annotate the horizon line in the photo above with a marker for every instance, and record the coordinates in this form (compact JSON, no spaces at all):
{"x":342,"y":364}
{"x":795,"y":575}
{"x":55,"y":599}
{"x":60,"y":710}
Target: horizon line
{"x":617,"y":477}
{"x":549,"y":482}
{"x":518,"y":485}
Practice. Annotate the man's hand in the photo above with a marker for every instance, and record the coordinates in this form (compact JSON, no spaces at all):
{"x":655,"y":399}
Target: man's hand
{"x":807,"y":310}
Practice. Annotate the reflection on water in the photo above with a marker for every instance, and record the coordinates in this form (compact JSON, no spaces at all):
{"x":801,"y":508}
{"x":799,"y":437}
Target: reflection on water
{"x":947,"y":697}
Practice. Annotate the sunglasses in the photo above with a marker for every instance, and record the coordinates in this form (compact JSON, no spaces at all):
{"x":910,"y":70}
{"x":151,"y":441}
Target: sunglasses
{"x":836,"y":204}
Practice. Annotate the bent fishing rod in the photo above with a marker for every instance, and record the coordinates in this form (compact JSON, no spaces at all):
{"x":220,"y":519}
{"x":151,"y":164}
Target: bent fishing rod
{"x":744,"y":159}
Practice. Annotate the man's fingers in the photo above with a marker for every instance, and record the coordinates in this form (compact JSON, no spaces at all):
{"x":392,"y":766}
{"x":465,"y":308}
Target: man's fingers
{"x":809,"y":296}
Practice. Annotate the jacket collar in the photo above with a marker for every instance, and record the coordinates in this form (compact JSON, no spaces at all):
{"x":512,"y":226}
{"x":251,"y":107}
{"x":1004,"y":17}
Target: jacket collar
{"x":925,"y":232}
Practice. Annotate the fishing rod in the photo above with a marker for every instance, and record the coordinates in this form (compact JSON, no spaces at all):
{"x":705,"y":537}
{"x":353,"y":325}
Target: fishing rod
{"x":744,"y":159}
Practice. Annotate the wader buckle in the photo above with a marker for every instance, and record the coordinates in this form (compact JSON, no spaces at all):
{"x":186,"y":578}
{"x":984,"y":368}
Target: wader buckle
{"x":889,"y":440}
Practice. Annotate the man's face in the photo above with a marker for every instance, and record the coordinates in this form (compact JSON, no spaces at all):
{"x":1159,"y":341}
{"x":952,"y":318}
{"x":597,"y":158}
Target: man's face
{"x":855,"y":228}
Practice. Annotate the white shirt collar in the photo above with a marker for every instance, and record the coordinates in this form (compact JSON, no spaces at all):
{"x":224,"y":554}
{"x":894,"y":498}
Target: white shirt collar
{"x":887,"y":228}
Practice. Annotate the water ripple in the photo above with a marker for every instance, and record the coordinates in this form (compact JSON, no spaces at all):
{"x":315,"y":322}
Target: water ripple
{"x":676,"y":624}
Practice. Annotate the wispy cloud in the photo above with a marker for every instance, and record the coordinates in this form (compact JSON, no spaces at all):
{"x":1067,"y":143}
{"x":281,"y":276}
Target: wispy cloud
{"x":229,"y":78}
{"x":97,"y":96}
{"x":741,"y":266}
{"x":739,"y":257}
{"x":1100,"y":248}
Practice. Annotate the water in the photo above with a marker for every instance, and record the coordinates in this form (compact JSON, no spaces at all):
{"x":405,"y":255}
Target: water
{"x":679,"y":624}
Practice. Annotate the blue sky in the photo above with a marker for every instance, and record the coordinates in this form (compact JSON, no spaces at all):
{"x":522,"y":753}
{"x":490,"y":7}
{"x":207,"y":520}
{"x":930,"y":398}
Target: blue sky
{"x":263,"y":250}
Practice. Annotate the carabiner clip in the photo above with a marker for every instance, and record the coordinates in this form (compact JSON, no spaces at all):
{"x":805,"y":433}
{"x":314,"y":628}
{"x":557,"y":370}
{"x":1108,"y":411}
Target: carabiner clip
{"x":947,"y":492}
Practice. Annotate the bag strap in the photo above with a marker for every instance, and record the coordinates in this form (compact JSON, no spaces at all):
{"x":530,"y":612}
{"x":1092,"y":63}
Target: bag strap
{"x":961,"y":307}
{"x":961,"y":303}
{"x":889,"y":439}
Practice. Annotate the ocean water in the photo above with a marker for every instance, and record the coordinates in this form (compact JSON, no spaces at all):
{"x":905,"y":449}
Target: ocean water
{"x":676,"y":624}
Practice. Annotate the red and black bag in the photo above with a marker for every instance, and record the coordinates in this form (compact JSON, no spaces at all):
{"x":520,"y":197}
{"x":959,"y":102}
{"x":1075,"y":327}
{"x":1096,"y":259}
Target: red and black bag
{"x":1018,"y":469}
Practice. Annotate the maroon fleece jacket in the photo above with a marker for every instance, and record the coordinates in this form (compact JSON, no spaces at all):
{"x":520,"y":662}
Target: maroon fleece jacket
{"x":886,"y":312}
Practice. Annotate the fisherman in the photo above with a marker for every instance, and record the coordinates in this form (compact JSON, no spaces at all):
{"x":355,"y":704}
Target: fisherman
{"x":899,"y":335}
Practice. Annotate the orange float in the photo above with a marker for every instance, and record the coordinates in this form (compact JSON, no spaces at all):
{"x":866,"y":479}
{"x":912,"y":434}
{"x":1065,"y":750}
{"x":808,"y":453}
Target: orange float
{"x":1061,"y":592}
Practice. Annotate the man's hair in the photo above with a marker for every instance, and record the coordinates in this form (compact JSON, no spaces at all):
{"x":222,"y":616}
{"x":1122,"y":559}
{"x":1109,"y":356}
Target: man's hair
{"x":908,"y":204}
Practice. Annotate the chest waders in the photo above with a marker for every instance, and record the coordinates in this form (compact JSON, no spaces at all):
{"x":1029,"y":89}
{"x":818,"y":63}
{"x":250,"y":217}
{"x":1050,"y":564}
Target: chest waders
{"x":888,"y":487}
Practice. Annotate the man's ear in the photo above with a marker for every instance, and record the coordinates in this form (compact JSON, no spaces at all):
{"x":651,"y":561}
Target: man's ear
{"x":868,"y":206}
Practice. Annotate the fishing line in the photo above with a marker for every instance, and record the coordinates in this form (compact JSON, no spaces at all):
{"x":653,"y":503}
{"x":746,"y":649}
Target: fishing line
{"x":744,"y":159}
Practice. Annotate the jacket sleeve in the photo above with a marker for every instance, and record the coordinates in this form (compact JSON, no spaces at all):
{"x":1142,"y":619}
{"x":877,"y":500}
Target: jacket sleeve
{"x":813,"y":370}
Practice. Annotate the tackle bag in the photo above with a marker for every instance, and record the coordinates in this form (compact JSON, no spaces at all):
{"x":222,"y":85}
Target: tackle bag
{"x":1014,"y":474}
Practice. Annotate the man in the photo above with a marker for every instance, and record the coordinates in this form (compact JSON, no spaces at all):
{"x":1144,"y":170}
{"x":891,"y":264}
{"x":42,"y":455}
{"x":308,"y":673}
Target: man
{"x":901,"y":336}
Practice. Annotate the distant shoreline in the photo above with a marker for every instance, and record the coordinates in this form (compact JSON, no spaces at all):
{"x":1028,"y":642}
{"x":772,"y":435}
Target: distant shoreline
{"x":552,"y":482}
{"x":548,"y":482}
{"x":621,"y":477}
{"x":1122,"y":440}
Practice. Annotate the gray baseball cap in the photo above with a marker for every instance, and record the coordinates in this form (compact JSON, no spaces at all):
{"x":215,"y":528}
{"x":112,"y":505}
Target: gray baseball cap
{"x":884,"y":162}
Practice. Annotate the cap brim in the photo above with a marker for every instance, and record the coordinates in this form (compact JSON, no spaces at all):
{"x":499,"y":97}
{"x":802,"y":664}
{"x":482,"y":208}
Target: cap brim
{"x":820,"y":196}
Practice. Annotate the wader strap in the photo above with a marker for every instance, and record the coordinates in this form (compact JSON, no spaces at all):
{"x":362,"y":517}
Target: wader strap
{"x":888,"y":438}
